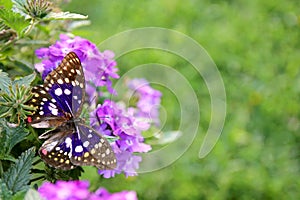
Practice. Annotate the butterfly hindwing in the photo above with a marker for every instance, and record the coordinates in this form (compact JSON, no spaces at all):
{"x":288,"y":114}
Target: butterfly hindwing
{"x":56,"y":151}
{"x":64,"y":150}
{"x":91,"y":148}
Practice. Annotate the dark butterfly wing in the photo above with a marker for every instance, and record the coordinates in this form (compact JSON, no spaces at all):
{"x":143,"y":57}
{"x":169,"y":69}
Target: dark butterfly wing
{"x":56,"y":151}
{"x":91,"y":148}
{"x":84,"y":146}
{"x":47,"y":110}
{"x":66,"y":85}
{"x":61,"y":95}
{"x":59,"y":101}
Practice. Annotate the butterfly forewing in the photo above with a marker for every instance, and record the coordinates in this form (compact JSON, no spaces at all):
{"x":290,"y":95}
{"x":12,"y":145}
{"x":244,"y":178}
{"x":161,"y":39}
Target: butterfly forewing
{"x":61,"y":95}
{"x":67,"y":85}
{"x":91,"y":148}
{"x":47,"y":110}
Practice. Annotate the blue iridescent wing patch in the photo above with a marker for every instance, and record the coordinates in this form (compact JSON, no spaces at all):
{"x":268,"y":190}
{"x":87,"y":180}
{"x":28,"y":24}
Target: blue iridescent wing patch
{"x":58,"y":104}
{"x":91,"y":148}
{"x":83,"y":146}
{"x":67,"y":85}
{"x":61,"y":97}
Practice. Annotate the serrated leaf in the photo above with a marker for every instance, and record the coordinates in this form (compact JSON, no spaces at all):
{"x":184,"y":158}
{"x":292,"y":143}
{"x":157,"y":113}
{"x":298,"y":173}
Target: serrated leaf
{"x":4,"y":81}
{"x":7,"y":157}
{"x":10,"y":136}
{"x":13,"y":20}
{"x":17,"y":176}
{"x":32,"y":195}
{"x":64,"y":15}
{"x":26,"y":81}
{"x":5,"y":193}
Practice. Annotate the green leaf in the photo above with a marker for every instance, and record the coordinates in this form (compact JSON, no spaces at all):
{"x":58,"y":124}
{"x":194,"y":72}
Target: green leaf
{"x":111,"y":139}
{"x":64,"y":15}
{"x":26,"y":81}
{"x":13,"y":20}
{"x":17,"y":176}
{"x":5,"y":193}
{"x":4,"y":81}
{"x":6,"y":4}
{"x":32,"y":195}
{"x":10,"y":136}
{"x":7,"y":157}
{"x":19,"y":195}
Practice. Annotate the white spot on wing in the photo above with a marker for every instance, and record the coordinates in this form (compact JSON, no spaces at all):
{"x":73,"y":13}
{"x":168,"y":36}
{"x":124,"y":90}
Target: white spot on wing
{"x":60,"y":81}
{"x":68,"y":142}
{"x":78,"y":72}
{"x":52,"y":105}
{"x":78,"y":149}
{"x":86,"y":143}
{"x":107,"y":151}
{"x":54,"y":111}
{"x":58,"y":91}
{"x":67,"y":80}
{"x":67,"y":91}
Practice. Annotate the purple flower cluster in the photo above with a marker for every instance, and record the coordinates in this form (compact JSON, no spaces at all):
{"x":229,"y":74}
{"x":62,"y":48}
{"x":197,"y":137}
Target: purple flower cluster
{"x":109,"y":118}
{"x":99,"y":67}
{"x":78,"y":190}
{"x":127,"y":124}
{"x":148,"y":100}
{"x":120,"y":122}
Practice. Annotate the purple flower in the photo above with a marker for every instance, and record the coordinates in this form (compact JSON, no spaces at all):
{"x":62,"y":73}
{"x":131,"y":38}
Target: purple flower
{"x":78,"y":190}
{"x":99,"y":67}
{"x":103,"y":194}
{"x":120,"y":122}
{"x":148,"y":100}
{"x":65,"y":190}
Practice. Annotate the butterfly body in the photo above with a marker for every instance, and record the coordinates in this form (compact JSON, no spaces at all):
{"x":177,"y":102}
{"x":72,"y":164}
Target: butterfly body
{"x":59,"y":103}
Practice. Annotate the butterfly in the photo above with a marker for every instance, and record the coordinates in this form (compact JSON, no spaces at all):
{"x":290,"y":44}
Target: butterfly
{"x":59,"y":102}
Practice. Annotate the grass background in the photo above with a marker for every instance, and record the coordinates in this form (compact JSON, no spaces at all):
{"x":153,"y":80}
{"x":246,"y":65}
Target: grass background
{"x":255,"y":45}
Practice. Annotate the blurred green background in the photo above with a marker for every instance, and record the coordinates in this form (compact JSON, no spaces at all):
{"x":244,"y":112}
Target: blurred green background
{"x":255,"y":45}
